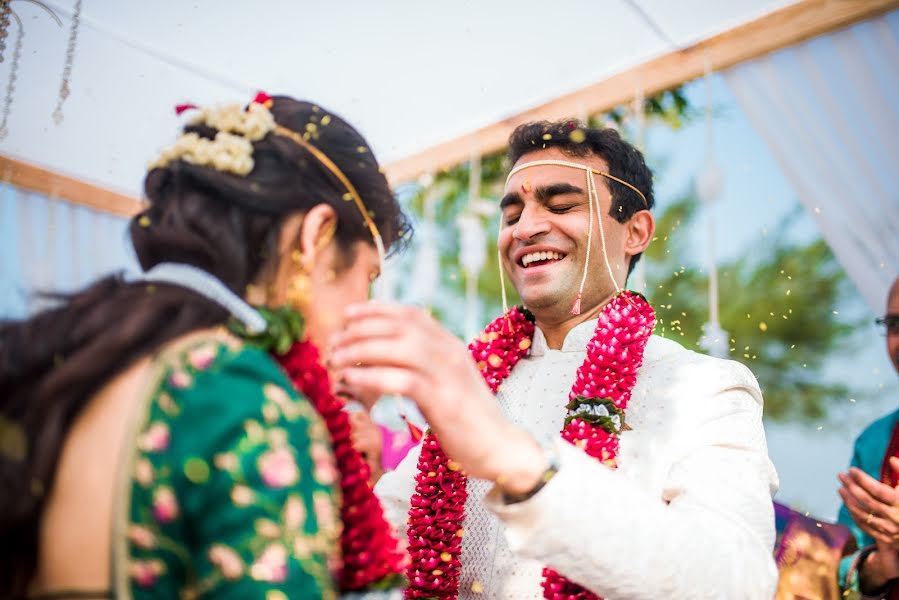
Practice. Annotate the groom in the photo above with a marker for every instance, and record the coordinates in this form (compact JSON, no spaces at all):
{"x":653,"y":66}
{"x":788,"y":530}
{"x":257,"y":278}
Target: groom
{"x":660,"y":484}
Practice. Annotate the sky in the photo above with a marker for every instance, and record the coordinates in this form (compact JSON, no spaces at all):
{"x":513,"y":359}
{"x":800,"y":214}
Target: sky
{"x":756,"y":197}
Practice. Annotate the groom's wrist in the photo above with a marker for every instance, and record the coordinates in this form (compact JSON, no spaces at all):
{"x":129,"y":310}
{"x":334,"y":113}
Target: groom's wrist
{"x":531,"y":465}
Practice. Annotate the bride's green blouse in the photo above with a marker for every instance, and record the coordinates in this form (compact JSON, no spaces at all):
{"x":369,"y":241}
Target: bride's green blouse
{"x":229,"y":488}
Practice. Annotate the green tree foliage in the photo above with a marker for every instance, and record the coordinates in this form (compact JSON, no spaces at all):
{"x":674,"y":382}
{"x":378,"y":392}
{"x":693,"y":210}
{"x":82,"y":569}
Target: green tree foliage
{"x":778,"y":304}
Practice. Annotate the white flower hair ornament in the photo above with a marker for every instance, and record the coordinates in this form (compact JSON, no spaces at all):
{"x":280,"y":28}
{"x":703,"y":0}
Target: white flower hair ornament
{"x":232,"y":149}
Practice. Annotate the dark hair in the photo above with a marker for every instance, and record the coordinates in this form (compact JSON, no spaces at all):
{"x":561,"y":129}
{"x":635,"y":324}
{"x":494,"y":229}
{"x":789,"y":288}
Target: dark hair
{"x":576,"y":140}
{"x":228,"y":225}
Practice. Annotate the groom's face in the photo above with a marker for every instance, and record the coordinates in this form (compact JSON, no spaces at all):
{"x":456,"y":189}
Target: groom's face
{"x":543,"y":240}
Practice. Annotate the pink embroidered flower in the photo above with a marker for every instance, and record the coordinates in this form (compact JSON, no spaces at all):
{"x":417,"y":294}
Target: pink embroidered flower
{"x":165,"y":505}
{"x":294,"y":513}
{"x":267,"y":528}
{"x":226,"y":560}
{"x":141,"y":537}
{"x":180,"y":380}
{"x":278,"y":468}
{"x":270,"y":413}
{"x":202,"y":357}
{"x":241,"y":495}
{"x":143,"y":472}
{"x":226,"y":461}
{"x":156,"y":438}
{"x":276,"y":394}
{"x":271,"y":566}
{"x":325,"y":468}
{"x":146,"y":572}
{"x":323,"y":507}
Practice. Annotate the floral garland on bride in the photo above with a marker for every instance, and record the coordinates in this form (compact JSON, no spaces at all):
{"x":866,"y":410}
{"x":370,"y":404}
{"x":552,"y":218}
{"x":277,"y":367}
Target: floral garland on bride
{"x":595,"y":419}
{"x":372,"y":556}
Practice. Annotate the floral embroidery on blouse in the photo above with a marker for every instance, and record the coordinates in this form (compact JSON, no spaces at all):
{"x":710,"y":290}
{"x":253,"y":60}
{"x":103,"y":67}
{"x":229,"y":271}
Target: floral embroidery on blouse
{"x":232,"y":483}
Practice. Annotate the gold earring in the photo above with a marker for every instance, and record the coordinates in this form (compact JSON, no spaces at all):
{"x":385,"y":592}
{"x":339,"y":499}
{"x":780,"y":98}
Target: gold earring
{"x":299,"y":290}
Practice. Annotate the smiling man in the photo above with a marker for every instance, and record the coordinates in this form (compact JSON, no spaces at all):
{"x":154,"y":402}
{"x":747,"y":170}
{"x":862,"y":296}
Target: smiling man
{"x":659,"y":485}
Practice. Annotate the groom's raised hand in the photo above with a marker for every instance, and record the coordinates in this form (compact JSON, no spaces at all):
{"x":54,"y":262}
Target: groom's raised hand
{"x":392,"y":349}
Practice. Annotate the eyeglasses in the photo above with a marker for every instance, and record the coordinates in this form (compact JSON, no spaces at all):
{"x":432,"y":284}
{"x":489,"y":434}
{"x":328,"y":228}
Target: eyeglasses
{"x":890,"y":323}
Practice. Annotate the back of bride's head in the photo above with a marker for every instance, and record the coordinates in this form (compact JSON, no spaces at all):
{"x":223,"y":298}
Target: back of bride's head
{"x":259,"y":197}
{"x":227,"y":222}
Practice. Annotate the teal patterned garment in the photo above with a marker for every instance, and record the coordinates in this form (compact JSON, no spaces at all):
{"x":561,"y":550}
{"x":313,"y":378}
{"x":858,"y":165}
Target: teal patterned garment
{"x":230,"y":489}
{"x":868,"y":455}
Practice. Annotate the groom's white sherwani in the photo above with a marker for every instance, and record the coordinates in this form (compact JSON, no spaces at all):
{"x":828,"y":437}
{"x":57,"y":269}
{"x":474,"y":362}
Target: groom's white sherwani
{"x":687,"y":515}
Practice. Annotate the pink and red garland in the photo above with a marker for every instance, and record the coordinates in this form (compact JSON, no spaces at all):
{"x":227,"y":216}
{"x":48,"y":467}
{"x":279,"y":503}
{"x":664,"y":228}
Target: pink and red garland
{"x":607,"y":376}
{"x":371,"y":554}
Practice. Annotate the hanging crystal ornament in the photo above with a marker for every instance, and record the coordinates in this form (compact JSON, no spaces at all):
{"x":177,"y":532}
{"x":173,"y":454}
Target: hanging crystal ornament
{"x":709,"y":183}
{"x":13,"y":69}
{"x":64,"y":87}
{"x":6,"y":12}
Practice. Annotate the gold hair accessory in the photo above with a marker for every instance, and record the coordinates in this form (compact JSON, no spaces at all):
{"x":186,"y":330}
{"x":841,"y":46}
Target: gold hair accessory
{"x":232,"y":150}
{"x":592,"y":198}
{"x":350,"y":188}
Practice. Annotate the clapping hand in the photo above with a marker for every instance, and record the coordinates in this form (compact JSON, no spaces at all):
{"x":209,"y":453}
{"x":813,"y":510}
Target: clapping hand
{"x":874,"y":507}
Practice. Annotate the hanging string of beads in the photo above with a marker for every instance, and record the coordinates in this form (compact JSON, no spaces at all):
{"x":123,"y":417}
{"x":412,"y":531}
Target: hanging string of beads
{"x":64,"y":87}
{"x":14,"y":67}
{"x":6,"y":14}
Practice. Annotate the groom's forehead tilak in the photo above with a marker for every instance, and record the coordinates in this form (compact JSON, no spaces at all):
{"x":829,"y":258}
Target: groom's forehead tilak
{"x":542,"y":192}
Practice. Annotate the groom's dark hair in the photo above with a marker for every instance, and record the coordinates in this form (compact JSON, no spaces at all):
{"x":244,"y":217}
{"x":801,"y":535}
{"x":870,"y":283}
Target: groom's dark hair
{"x":577,"y":140}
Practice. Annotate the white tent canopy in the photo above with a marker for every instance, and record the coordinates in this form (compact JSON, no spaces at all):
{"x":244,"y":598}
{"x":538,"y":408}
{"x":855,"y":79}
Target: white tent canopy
{"x":408,"y":74}
{"x":431,"y":85}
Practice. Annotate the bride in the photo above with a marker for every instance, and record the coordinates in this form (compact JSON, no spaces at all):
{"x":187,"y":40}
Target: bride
{"x":152,"y":445}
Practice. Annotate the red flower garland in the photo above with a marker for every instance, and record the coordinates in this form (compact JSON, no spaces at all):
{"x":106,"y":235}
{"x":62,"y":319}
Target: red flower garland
{"x":371,"y":553}
{"x":597,"y":402}
{"x":438,"y":506}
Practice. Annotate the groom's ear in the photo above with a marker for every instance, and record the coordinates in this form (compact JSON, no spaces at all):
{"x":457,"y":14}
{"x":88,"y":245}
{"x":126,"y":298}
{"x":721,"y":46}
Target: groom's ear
{"x":639,"y":230}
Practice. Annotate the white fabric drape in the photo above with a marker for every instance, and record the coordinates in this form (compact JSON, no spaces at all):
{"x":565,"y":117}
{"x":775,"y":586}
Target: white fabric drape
{"x":827,"y":109}
{"x":49,"y":245}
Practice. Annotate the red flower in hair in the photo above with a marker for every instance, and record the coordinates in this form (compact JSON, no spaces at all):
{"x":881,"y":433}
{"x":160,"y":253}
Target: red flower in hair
{"x":263,"y":99}
{"x":180,"y":108}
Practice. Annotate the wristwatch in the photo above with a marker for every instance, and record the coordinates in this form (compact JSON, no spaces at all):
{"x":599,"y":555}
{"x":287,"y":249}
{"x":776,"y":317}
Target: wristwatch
{"x":548,"y":447}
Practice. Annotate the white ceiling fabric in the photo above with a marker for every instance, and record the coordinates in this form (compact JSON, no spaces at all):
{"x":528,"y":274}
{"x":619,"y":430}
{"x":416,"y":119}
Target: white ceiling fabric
{"x":407,"y":74}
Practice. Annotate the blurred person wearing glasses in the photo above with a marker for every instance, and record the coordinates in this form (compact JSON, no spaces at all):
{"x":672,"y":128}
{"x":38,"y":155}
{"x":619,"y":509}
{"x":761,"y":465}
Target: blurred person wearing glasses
{"x":869,"y":491}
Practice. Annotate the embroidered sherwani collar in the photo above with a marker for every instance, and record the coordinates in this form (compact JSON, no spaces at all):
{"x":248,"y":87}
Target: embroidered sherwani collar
{"x":575,"y":341}
{"x":579,"y":336}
